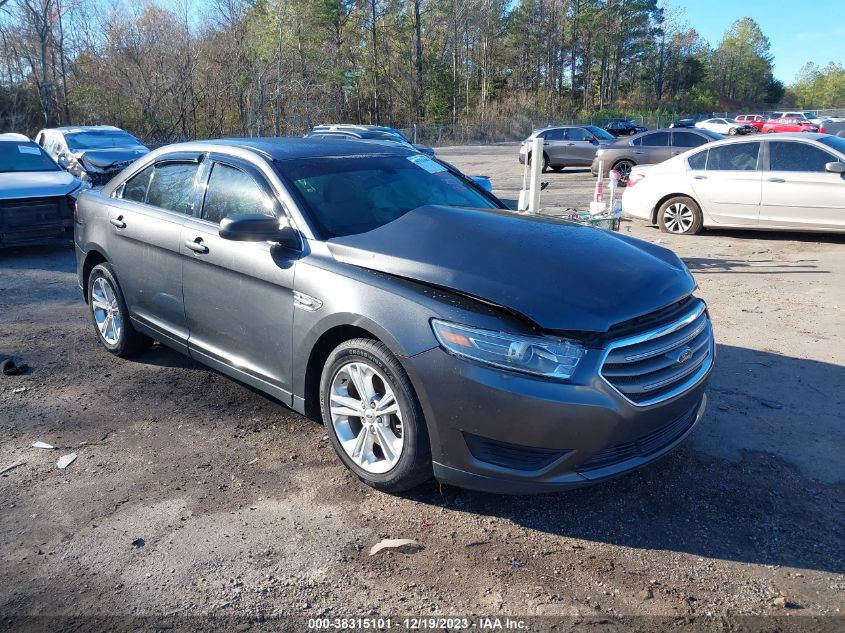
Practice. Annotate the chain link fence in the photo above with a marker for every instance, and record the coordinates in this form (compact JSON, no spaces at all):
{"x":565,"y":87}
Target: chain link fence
{"x":483,"y":133}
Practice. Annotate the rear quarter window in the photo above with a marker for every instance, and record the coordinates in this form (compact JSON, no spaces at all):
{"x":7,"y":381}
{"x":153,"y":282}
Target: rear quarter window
{"x":698,"y":160}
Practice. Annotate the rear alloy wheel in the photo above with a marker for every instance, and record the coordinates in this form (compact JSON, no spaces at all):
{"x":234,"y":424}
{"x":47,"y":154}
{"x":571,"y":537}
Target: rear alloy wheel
{"x":624,"y":168}
{"x":545,"y":162}
{"x":372,"y":416}
{"x":681,"y":216}
{"x":110,"y":316}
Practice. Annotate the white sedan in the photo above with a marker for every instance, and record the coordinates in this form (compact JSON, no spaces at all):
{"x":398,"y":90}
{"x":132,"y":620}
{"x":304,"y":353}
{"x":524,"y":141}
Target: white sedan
{"x":728,"y":127}
{"x":792,"y":182}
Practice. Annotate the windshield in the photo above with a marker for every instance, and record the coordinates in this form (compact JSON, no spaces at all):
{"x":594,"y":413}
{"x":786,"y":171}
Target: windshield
{"x":346,"y":195}
{"x":100,"y":139}
{"x":835,"y":142}
{"x":601,"y":134}
{"x":19,"y":157}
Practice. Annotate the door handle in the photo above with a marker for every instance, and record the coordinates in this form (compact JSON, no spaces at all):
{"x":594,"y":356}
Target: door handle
{"x":196,"y":245}
{"x":776,"y":180}
{"x":118,"y":222}
{"x":637,"y":152}
{"x":700,"y":177}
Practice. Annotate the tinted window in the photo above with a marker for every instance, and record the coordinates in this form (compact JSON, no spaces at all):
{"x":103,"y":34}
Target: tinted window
{"x":24,"y":156}
{"x":352,"y":194}
{"x":697,"y":161}
{"x":172,"y":186}
{"x":600,"y":133}
{"x":578,"y":134}
{"x":836,"y":142}
{"x":687,"y":139}
{"x":136,"y":187}
{"x":100,"y":139}
{"x":658,"y":139}
{"x":556,"y":135}
{"x":232,"y":191}
{"x":796,"y":156}
{"x":733,"y":157}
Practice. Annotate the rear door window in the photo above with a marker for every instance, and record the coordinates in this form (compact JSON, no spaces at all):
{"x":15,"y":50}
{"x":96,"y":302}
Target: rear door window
{"x":172,"y":186}
{"x":555,"y":135}
{"x":797,"y":156}
{"x":657,"y":139}
{"x":733,"y":157}
{"x":232,"y":191}
{"x":687,"y":139}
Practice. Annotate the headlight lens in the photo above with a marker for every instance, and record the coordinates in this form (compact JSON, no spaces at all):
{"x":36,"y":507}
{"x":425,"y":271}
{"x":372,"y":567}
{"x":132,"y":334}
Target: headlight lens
{"x":539,"y":355}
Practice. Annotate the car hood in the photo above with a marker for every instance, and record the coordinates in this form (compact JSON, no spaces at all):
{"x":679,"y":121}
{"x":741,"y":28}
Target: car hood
{"x":561,"y":275}
{"x":105,"y":158}
{"x":36,"y":184}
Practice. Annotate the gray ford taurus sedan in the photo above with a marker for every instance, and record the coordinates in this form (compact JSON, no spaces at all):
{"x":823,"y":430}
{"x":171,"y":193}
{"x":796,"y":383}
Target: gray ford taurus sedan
{"x":433,"y":331}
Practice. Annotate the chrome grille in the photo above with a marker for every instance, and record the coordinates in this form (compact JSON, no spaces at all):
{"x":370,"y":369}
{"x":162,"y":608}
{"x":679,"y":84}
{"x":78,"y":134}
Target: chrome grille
{"x":663,"y":362}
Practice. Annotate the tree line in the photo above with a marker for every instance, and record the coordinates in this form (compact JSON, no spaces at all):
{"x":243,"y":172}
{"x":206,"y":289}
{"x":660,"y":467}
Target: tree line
{"x":179,"y":69}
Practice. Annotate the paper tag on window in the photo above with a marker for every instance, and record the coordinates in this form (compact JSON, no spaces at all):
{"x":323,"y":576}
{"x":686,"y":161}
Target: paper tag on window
{"x":28,"y":149}
{"x":426,"y":163}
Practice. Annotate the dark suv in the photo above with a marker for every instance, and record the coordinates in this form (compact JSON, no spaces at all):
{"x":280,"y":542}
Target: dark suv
{"x":433,"y":331}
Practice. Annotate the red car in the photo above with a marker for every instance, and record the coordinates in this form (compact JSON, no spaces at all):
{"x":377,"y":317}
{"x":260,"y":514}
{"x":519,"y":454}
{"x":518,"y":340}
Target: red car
{"x":757,"y":120}
{"x":790,"y":125}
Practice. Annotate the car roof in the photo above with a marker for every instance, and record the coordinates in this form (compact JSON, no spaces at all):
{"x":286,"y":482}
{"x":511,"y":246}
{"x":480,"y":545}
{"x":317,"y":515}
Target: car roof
{"x":70,"y":129}
{"x":15,"y":137}
{"x":288,"y":147}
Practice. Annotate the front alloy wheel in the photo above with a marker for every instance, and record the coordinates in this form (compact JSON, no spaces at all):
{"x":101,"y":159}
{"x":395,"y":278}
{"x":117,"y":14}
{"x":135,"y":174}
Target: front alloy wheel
{"x":366,"y":417}
{"x":624,"y":168}
{"x":373,"y":418}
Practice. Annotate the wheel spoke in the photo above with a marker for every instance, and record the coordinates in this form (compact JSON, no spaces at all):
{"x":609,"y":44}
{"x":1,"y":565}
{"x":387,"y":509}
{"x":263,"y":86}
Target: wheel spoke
{"x":356,"y":373}
{"x":387,"y":404}
{"x":386,"y":440}
{"x":345,"y":405}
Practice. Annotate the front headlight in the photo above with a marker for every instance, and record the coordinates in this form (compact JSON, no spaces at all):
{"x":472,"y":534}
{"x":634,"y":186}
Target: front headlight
{"x":547,"y":356}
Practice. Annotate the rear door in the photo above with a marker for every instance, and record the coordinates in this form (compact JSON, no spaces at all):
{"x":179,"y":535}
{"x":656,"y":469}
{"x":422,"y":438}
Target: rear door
{"x":728,"y":182}
{"x":580,"y":146}
{"x":146,"y":217}
{"x":683,"y":140}
{"x":238,"y":295}
{"x":797,"y":189}
{"x":652,"y":148}
{"x":555,"y":146}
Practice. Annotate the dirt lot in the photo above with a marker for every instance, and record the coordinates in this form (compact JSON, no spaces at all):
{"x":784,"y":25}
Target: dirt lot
{"x":244,"y":510}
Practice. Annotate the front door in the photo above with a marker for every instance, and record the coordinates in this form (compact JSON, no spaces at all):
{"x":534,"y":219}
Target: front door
{"x":727,"y":182}
{"x":146,"y":218}
{"x":238,"y":295}
{"x":580,"y":146}
{"x":797,"y":189}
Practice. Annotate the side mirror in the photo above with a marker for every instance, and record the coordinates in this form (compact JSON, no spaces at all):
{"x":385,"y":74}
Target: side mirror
{"x":258,"y":228}
{"x":835,"y":167}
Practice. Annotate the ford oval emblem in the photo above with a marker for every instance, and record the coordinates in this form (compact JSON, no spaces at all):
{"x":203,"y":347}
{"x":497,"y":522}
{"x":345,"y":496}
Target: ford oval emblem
{"x":685,"y":355}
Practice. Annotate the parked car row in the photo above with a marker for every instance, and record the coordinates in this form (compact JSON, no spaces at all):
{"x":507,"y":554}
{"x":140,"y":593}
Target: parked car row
{"x":588,"y":145}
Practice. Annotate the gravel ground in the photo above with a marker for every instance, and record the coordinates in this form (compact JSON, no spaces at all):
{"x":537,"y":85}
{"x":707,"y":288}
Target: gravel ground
{"x":193,"y":495}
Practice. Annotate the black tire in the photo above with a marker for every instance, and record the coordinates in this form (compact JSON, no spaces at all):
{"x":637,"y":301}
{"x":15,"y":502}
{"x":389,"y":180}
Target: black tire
{"x":414,"y":464}
{"x":545,"y":162}
{"x":624,"y":168}
{"x":129,"y":342}
{"x":670,"y":216}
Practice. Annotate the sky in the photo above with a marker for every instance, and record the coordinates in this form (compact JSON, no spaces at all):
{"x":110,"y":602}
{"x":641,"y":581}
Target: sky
{"x":799,"y":32}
